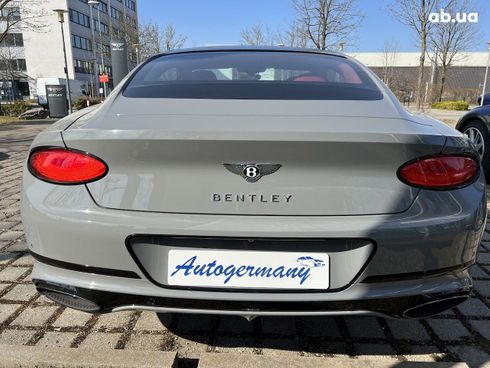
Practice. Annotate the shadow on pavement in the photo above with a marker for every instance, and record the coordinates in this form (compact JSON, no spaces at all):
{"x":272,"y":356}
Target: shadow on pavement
{"x":318,"y":335}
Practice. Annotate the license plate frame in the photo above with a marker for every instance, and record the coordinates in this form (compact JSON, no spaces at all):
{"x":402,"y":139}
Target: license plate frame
{"x":247,"y":269}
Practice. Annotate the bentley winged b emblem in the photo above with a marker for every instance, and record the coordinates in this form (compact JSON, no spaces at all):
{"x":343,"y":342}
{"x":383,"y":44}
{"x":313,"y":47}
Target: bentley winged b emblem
{"x":252,"y":172}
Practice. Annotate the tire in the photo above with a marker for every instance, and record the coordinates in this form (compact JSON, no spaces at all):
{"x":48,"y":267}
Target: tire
{"x":473,"y":129}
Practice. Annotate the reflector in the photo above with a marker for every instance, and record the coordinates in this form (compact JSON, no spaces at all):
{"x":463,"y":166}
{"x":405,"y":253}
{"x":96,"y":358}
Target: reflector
{"x":440,"y":172}
{"x":65,"y":166}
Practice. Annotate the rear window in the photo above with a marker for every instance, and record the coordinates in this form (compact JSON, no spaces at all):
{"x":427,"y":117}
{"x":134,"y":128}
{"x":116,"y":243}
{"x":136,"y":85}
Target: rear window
{"x":252,"y":75}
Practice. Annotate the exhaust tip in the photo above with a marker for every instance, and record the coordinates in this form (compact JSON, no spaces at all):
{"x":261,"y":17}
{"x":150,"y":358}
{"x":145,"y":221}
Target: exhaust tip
{"x":434,"y":307}
{"x":71,"y":301}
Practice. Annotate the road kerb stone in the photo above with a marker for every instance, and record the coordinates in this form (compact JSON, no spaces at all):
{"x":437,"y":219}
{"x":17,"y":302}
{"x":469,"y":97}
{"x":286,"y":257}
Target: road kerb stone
{"x":33,"y":356}
{"x":213,"y":360}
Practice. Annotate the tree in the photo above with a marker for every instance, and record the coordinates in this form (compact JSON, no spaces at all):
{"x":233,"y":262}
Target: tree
{"x":9,"y":68}
{"x":294,"y":36}
{"x":257,"y":35}
{"x":327,"y":23}
{"x":390,"y":53}
{"x":19,"y":15}
{"x":155,"y":39}
{"x":149,"y":40}
{"x":448,"y":39}
{"x":126,"y":31}
{"x":172,"y":40}
{"x":415,"y":14}
{"x":16,"y":16}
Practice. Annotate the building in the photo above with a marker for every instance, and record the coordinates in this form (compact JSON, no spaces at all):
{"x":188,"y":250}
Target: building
{"x":399,"y":70}
{"x":35,"y":49}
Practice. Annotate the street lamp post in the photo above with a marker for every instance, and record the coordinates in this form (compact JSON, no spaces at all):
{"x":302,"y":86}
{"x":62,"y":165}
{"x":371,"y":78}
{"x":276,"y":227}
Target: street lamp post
{"x":96,"y":3}
{"x":486,"y":77}
{"x":61,"y":19}
{"x":94,"y":44}
{"x":137,"y":50}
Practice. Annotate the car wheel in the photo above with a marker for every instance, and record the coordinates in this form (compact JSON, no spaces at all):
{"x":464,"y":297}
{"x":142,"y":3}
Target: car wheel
{"x":478,"y":134}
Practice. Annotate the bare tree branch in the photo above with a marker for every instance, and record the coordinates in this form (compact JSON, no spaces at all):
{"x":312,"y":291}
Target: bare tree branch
{"x":155,"y":39}
{"x":449,"y":39}
{"x":415,"y":15}
{"x":295,"y":35}
{"x":126,"y":31}
{"x":150,"y":42}
{"x":18,"y":15}
{"x":390,"y":53}
{"x":172,"y":40}
{"x":327,"y":23}
{"x":257,"y":35}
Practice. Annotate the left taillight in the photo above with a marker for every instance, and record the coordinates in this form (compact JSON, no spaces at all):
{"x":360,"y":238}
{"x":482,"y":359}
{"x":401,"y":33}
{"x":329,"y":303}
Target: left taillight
{"x":65,"y":166}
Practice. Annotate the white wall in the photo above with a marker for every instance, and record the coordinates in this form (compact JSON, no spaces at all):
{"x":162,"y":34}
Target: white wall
{"x":406,"y":59}
{"x":43,"y":49}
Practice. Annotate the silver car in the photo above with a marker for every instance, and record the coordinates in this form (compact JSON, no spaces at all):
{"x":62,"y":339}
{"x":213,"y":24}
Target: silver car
{"x":253,"y":181}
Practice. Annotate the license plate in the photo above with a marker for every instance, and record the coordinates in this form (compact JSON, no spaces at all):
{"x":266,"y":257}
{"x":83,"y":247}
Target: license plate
{"x":248,"y":269}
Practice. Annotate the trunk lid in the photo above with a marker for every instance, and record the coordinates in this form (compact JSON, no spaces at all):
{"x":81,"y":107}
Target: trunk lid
{"x":336,"y":157}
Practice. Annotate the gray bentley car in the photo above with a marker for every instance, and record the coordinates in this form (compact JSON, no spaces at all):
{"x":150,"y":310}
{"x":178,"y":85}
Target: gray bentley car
{"x":253,"y":181}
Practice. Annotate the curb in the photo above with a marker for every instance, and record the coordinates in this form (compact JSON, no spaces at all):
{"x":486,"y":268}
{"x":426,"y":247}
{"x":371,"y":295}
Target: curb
{"x":213,"y":360}
{"x":41,"y":357}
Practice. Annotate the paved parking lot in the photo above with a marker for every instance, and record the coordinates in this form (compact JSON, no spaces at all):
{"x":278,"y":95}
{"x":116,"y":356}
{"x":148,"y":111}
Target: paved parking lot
{"x":26,"y":318}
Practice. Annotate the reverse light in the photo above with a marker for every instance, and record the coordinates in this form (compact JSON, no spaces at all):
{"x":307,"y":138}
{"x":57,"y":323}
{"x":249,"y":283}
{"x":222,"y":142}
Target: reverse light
{"x":440,"y":172}
{"x":65,"y":166}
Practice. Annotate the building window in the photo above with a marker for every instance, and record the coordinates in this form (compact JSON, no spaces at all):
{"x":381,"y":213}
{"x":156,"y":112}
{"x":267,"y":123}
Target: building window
{"x":106,"y":49}
{"x":13,"y":39}
{"x":103,"y":7}
{"x":79,"y":18}
{"x":10,"y":13}
{"x":21,"y":65}
{"x":103,"y":27}
{"x":81,"y":43}
{"x":130,"y":4}
{"x":83,"y":66}
{"x":18,"y":65}
{"x":130,"y":20}
{"x":116,"y":14}
{"x":106,"y":70}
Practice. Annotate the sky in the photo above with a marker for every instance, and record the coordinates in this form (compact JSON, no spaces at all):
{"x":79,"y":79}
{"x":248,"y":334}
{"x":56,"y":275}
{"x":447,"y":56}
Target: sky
{"x":210,"y":22}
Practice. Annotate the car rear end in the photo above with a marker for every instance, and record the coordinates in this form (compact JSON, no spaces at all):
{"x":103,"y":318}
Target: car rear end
{"x":253,"y":182}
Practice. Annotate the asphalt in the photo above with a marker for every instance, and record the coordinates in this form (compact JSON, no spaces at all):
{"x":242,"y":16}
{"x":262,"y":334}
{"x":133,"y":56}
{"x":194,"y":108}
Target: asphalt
{"x":34,"y":330}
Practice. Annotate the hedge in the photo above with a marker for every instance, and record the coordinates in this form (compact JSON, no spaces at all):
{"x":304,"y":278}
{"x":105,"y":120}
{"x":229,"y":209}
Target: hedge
{"x":16,"y":108}
{"x":451,"y":105}
{"x":81,"y":102}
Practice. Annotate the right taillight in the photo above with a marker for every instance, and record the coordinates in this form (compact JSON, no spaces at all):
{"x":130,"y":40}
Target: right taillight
{"x":440,"y":172}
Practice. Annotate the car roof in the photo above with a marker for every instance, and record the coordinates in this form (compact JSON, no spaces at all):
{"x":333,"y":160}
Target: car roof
{"x":253,"y":48}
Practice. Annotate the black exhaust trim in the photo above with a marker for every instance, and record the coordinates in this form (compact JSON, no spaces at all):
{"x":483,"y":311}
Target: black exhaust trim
{"x":435,"y":306}
{"x":67,"y":296}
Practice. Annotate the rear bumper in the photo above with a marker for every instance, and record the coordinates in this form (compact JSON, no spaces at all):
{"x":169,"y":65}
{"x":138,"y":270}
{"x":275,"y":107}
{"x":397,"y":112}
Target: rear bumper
{"x":396,"y":299}
{"x":456,"y":289}
{"x":420,"y":254}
